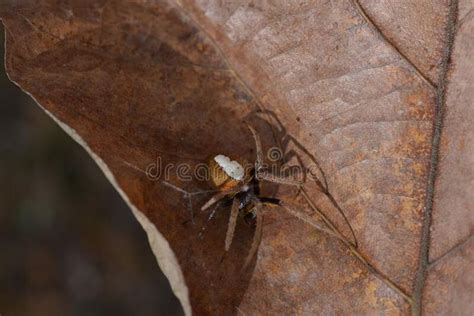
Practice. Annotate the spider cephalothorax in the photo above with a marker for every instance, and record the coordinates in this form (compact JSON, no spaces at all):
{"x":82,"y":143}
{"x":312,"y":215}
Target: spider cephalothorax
{"x":241,"y":187}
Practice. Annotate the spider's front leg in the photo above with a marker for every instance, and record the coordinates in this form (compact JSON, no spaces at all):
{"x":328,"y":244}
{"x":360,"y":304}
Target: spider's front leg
{"x":301,"y":215}
{"x":277,"y":179}
{"x":282,"y":180}
{"x":308,"y":219}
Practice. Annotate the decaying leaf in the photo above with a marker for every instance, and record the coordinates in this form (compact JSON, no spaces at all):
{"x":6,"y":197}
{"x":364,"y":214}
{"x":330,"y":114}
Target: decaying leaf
{"x":378,"y":94}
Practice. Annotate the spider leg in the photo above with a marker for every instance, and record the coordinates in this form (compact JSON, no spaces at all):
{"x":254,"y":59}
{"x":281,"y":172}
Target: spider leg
{"x":232,"y":221}
{"x":299,"y":214}
{"x":211,"y":215}
{"x":219,"y":196}
{"x":282,"y":180}
{"x":257,"y":237}
{"x":307,"y":219}
{"x":258,"y":147}
{"x":277,"y":179}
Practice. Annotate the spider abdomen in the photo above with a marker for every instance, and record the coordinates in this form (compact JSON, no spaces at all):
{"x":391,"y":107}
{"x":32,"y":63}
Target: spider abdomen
{"x":224,"y":172}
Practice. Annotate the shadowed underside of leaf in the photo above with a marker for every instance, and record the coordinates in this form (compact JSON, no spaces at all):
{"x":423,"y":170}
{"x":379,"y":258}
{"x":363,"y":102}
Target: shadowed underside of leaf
{"x":364,"y":87}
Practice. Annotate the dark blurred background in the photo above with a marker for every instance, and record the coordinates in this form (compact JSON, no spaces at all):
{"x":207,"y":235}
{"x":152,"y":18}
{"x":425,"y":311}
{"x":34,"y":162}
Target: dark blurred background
{"x":68,"y":244}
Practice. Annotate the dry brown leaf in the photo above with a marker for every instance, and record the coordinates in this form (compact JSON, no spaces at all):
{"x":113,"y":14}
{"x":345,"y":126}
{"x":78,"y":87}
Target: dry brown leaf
{"x":379,"y":92}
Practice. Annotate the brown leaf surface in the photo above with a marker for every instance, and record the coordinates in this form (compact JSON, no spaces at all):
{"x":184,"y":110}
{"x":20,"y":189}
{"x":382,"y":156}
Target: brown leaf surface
{"x":362,"y":86}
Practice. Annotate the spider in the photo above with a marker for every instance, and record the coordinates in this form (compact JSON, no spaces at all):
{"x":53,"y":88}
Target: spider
{"x":242,"y":189}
